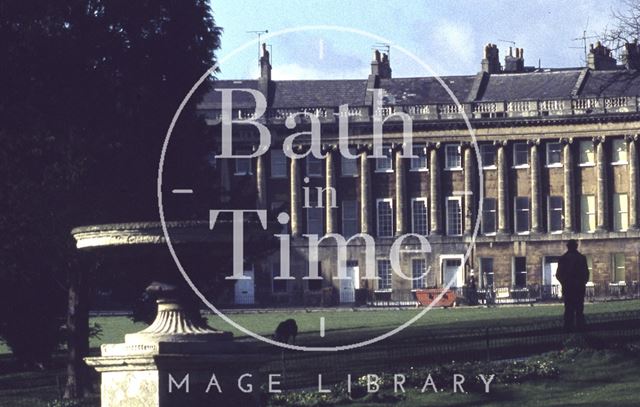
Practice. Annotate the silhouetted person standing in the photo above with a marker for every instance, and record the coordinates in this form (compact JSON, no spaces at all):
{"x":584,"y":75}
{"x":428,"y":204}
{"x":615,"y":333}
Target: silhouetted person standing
{"x":573,"y":274}
{"x":472,"y":289}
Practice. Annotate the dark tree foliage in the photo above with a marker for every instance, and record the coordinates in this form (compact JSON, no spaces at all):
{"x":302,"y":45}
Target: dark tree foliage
{"x":87,"y":91}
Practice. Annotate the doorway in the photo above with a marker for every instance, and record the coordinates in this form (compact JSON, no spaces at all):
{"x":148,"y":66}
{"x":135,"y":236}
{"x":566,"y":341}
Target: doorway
{"x":244,"y":292}
{"x":348,"y":286}
{"x":551,"y":285}
{"x":451,"y":270}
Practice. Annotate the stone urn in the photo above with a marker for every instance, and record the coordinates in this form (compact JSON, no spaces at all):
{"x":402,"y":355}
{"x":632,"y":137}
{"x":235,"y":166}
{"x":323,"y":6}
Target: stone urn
{"x":178,"y":360}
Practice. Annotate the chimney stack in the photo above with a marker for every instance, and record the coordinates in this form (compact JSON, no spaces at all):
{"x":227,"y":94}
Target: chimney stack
{"x":491,"y":61}
{"x":265,"y":64}
{"x":380,"y":65}
{"x":631,"y":55}
{"x":514,"y":64}
{"x":265,"y":72}
{"x":600,"y":58}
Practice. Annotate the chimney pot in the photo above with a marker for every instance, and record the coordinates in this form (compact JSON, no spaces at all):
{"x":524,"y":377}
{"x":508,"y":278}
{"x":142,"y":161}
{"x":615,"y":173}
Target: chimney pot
{"x":514,"y":63}
{"x":491,"y":61}
{"x":380,"y":65}
{"x":600,"y":58}
{"x":631,"y":55}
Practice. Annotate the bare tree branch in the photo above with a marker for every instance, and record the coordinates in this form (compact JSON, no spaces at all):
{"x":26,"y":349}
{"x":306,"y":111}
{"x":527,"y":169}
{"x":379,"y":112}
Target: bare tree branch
{"x":625,"y":26}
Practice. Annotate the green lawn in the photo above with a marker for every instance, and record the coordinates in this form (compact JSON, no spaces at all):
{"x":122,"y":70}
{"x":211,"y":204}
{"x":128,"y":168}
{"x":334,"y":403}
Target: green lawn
{"x":36,"y":389}
{"x":347,"y":326}
{"x":596,"y":378}
{"x":592,"y":378}
{"x":366,"y":323}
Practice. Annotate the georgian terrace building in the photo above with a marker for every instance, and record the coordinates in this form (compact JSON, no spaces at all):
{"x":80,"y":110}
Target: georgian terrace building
{"x":559,"y":161}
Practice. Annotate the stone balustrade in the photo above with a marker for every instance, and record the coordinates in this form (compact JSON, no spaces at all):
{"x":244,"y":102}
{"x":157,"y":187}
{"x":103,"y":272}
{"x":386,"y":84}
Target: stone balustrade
{"x":443,"y":111}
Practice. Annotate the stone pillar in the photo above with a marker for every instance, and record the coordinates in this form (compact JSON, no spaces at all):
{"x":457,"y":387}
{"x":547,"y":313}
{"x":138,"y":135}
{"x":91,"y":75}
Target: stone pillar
{"x":365,"y":192}
{"x":469,"y":196}
{"x":261,"y":182}
{"x":330,"y":190}
{"x":568,"y":186}
{"x":601,"y":186}
{"x":401,"y":184}
{"x":171,"y":363}
{"x":225,"y":180}
{"x":535,"y":186}
{"x":434,"y":191}
{"x":633,"y":183}
{"x":295,"y":187}
{"x":502,"y":190}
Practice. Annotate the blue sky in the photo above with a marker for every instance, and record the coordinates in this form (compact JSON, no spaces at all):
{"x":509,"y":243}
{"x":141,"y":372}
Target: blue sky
{"x":449,"y":36}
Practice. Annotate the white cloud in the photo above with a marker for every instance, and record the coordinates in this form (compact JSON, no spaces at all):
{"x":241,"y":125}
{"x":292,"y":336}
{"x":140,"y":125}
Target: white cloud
{"x":453,"y":44}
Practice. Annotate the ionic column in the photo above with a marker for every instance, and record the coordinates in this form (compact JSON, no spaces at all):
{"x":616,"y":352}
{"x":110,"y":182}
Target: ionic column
{"x":568,"y":186}
{"x":365,"y":192}
{"x":601,"y":186}
{"x":468,"y":189}
{"x":633,"y":183}
{"x":330,"y":190}
{"x":535,"y":186}
{"x":502,"y":190}
{"x":225,"y":180}
{"x":294,"y":177}
{"x":261,"y":182}
{"x":434,"y":190}
{"x":400,"y":193}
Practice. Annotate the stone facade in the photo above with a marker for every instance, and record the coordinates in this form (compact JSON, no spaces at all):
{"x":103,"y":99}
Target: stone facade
{"x":555,"y":168}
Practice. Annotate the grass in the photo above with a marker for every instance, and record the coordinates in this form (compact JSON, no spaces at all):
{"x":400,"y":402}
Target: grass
{"x":350,"y":325}
{"x":36,"y":389}
{"x":344,"y":326}
{"x":589,"y":381}
{"x":29,"y":388}
{"x":591,"y":378}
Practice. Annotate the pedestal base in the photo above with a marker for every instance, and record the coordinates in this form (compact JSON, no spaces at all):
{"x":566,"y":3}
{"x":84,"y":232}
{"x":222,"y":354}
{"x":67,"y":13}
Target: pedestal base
{"x":177,"y":374}
{"x":177,"y":361}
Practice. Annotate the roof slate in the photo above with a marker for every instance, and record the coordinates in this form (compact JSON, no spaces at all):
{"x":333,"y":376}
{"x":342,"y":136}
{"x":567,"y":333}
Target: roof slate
{"x":321,"y":93}
{"x":612,"y":83}
{"x":240,"y":99}
{"x":530,"y":85}
{"x":549,"y":84}
{"x":422,"y":91}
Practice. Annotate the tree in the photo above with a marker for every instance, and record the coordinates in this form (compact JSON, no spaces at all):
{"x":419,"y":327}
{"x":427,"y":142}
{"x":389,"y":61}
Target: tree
{"x":625,"y":26}
{"x":88,"y":90}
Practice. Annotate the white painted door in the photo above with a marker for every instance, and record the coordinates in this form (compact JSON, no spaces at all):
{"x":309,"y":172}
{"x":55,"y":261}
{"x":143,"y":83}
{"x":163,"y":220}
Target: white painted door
{"x":348,"y":286}
{"x":452,"y":270}
{"x":245,"y":290}
{"x":549,"y":276}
